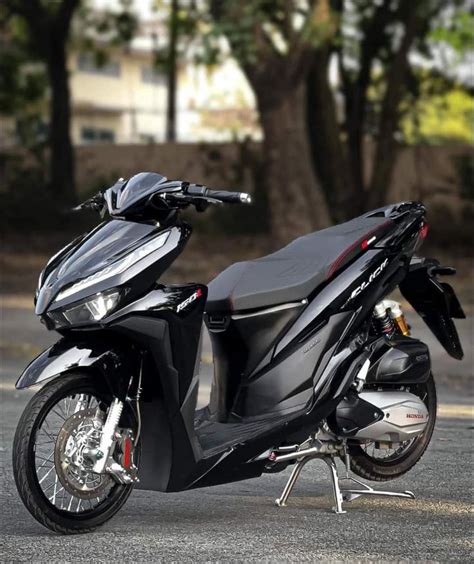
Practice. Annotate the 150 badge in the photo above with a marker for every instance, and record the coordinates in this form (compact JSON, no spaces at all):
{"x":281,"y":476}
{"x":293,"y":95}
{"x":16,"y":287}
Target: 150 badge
{"x":197,"y":294}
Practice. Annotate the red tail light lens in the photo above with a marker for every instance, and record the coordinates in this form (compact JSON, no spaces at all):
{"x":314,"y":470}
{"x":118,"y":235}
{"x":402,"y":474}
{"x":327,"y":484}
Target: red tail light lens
{"x":424,"y":231}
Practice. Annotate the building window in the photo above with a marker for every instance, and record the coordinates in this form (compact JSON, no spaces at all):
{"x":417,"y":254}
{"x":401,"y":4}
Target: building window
{"x":87,"y":63}
{"x":151,"y":76}
{"x":97,"y":135}
{"x":147,"y":138}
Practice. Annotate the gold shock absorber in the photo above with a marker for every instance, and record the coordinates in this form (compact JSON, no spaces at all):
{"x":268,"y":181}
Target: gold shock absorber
{"x":398,"y":318}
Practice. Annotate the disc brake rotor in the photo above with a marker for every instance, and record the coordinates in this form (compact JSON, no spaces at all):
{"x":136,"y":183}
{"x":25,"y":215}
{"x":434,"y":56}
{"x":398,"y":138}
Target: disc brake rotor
{"x":81,"y":431}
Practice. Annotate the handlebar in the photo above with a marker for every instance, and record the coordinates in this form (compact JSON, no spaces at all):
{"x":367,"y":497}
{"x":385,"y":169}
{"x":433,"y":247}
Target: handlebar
{"x":179,"y":194}
{"x":220,"y":195}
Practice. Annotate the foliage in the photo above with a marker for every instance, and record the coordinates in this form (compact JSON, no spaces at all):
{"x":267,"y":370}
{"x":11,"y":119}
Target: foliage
{"x":28,"y":204}
{"x":98,"y":33}
{"x":457,"y":30}
{"x":43,"y":30}
{"x":188,"y":22}
{"x":440,"y":118}
{"x":23,"y":86}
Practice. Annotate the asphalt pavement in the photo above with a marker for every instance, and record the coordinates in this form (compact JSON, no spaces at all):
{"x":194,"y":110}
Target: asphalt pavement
{"x":239,"y":522}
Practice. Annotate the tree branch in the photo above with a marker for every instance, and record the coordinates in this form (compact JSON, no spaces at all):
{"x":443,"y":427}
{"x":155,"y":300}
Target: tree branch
{"x":62,"y":20}
{"x":316,"y":29}
{"x":268,"y":59}
{"x":415,"y":19}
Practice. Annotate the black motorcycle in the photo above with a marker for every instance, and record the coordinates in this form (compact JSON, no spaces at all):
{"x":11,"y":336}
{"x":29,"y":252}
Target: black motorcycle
{"x":311,"y":360}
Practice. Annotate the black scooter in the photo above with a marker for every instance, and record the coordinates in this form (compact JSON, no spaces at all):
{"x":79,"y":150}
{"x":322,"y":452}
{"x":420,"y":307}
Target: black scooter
{"x":311,"y":360}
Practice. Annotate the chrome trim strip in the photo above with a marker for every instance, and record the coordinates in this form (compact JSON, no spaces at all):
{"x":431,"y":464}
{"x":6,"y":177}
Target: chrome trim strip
{"x":270,"y":310}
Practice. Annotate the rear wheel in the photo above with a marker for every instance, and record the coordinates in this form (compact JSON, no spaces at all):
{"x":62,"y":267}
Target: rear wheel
{"x":59,"y":419}
{"x":382,"y":464}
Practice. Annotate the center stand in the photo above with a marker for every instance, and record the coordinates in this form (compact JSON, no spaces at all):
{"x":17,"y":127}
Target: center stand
{"x":340,"y":495}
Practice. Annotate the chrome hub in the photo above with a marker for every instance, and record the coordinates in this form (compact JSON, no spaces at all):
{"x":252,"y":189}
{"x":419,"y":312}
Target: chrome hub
{"x":76,"y":452}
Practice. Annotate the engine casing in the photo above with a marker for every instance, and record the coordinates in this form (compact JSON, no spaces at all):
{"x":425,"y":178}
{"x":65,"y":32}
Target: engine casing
{"x":405,"y":416}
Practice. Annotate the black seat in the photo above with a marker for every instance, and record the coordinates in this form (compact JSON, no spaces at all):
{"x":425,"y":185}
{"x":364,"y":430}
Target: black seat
{"x":293,"y":272}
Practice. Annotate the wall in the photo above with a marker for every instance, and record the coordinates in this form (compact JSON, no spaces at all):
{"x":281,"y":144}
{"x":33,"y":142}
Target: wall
{"x":425,"y":173}
{"x":210,"y":164}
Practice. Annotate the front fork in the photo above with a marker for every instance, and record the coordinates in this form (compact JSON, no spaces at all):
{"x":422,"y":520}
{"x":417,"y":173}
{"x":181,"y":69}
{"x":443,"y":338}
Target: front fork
{"x":102,"y":456}
{"x":125,"y":473}
{"x":104,"y":452}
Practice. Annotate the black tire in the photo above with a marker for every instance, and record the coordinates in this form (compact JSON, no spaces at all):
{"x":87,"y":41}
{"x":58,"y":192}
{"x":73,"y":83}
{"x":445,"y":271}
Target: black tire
{"x":24,"y":469}
{"x":379,"y":470}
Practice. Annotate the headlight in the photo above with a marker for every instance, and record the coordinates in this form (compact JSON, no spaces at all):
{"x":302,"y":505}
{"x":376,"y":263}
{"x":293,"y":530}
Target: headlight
{"x":115,"y":268}
{"x":86,"y":312}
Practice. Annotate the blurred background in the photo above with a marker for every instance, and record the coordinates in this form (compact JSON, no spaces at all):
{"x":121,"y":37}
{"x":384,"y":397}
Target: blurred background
{"x":321,"y":109}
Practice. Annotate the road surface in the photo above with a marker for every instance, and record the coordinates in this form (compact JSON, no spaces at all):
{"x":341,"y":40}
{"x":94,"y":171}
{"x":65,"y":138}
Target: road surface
{"x":239,"y":522}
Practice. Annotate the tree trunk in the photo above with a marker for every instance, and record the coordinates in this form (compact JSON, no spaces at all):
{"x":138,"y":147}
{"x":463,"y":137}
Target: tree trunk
{"x":297,"y":203}
{"x":328,"y":152}
{"x":355,"y":149}
{"x":386,"y":150}
{"x":62,"y":156}
{"x":172,"y":68}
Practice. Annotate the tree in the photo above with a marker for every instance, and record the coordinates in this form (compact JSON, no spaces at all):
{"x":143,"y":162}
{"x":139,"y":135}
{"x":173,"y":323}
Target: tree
{"x":286,"y":49}
{"x":372,"y":46}
{"x":172,"y":72}
{"x":183,"y":17}
{"x":44,"y":30}
{"x":23,"y":85}
{"x":440,"y":114}
{"x":273,"y":41}
{"x":48,"y":26}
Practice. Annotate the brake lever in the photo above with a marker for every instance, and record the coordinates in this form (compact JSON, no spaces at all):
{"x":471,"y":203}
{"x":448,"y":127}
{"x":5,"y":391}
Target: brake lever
{"x":96,"y":203}
{"x":210,"y":200}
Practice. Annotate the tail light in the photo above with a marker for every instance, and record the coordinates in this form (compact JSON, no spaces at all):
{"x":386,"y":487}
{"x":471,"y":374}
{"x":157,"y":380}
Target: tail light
{"x":424,"y":231}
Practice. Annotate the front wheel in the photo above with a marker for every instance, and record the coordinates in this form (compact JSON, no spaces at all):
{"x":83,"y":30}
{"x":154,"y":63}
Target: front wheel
{"x":61,"y":418}
{"x":373,"y":463}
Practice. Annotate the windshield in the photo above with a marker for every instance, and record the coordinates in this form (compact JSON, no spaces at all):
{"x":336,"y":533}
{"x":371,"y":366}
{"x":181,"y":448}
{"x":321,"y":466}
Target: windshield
{"x":137,"y":188}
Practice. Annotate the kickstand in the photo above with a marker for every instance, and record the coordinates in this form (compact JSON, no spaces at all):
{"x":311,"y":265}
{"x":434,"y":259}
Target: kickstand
{"x":340,"y":495}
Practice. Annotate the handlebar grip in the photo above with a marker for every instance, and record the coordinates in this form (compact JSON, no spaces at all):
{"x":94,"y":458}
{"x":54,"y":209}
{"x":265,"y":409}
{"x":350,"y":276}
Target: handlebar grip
{"x":230,"y":197}
{"x":221,"y":195}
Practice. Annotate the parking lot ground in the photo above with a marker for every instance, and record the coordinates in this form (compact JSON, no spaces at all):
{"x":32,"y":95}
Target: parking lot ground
{"x":239,"y":522}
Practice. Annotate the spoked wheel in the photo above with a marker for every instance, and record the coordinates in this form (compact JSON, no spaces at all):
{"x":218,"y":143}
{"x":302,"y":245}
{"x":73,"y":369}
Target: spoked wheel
{"x":51,"y":469}
{"x":381,"y":464}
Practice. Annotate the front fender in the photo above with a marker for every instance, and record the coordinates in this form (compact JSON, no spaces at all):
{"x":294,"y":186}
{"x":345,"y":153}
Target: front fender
{"x":66,"y":356}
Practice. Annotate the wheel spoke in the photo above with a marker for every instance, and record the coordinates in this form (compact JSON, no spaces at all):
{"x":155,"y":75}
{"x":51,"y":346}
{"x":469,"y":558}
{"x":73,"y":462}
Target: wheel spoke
{"x":63,"y":417}
{"x":70,"y":503}
{"x":56,"y":429}
{"x":53,"y":497}
{"x":51,"y":437}
{"x":47,"y":474}
{"x":45,"y":460}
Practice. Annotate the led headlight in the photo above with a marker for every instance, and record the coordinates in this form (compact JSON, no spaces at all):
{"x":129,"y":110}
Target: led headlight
{"x":115,"y":268}
{"x":86,"y":312}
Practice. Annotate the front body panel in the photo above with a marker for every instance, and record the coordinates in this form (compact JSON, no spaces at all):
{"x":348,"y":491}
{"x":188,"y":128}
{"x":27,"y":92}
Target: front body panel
{"x":110,"y":243}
